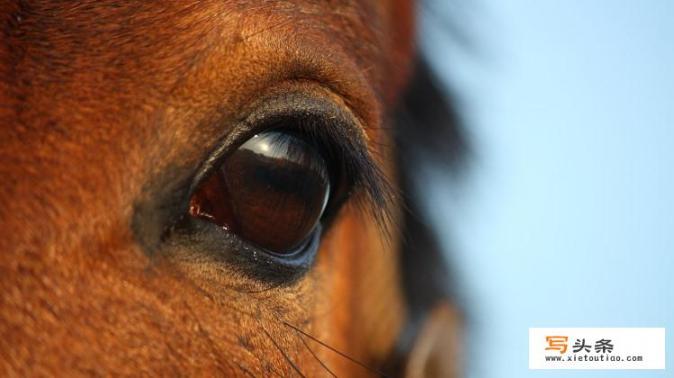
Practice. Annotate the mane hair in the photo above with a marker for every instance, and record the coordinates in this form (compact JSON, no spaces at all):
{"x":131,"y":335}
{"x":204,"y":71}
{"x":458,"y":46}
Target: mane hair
{"x":428,"y":136}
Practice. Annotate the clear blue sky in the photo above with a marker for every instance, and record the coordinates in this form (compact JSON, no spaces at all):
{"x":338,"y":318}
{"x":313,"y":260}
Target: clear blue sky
{"x":566,"y":218}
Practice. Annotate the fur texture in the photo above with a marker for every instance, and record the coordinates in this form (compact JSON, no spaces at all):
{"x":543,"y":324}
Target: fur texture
{"x":102,"y":101}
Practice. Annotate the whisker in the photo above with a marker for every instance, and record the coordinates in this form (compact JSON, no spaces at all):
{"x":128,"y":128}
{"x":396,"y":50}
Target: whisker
{"x":315,"y":356}
{"x":374,"y":370}
{"x":292,"y":364}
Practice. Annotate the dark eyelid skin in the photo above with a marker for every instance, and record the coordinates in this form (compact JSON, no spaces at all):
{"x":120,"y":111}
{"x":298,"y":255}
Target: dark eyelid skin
{"x":320,"y":119}
{"x":326,"y":119}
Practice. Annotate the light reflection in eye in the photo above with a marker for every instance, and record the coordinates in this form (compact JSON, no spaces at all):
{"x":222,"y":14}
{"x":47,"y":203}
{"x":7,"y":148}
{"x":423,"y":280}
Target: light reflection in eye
{"x":271,"y":191}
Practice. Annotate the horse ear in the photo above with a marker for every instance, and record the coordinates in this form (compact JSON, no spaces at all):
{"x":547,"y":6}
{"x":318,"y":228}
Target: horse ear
{"x":436,"y":351}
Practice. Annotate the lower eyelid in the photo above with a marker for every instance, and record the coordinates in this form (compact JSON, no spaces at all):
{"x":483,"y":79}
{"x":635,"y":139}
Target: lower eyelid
{"x":197,"y":241}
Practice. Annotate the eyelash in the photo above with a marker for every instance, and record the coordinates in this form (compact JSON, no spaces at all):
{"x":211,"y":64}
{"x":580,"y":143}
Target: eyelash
{"x":360,"y":180}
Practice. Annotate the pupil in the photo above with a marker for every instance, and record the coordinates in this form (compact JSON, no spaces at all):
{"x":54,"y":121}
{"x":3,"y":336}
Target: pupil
{"x":271,"y":191}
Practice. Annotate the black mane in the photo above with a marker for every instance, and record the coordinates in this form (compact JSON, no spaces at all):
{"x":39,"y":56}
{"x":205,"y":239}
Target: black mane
{"x":428,"y":135}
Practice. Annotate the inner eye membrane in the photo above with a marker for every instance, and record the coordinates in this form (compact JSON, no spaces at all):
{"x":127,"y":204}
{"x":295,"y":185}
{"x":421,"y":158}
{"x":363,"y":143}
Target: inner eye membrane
{"x":271,"y":191}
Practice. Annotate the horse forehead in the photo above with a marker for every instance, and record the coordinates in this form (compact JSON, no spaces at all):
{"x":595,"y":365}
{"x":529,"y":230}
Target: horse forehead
{"x":137,"y":52}
{"x":93,"y":52}
{"x":57,"y":36}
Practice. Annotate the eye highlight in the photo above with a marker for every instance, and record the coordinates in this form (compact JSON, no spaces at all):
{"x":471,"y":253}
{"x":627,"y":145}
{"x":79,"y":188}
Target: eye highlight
{"x":271,"y":191}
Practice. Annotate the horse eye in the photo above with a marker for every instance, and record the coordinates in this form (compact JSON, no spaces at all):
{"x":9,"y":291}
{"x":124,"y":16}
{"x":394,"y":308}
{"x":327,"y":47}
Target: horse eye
{"x":271,"y":191}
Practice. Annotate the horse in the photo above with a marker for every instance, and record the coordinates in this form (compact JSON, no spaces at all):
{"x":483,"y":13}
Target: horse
{"x":220,"y":187}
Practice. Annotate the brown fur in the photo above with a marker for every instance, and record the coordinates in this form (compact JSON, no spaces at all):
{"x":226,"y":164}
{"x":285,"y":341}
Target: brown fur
{"x":97,"y":98}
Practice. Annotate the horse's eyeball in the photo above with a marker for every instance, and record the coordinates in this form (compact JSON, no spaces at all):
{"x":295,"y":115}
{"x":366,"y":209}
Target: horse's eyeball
{"x":271,"y":191}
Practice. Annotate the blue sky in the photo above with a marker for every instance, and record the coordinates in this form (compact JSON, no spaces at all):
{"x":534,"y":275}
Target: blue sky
{"x":566,"y":217}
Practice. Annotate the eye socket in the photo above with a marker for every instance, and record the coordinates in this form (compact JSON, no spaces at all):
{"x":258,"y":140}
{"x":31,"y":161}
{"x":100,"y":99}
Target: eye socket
{"x":271,"y":191}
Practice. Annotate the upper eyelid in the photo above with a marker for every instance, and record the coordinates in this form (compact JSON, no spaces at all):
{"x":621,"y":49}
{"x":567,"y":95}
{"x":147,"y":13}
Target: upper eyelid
{"x":296,"y":106}
{"x":321,"y":118}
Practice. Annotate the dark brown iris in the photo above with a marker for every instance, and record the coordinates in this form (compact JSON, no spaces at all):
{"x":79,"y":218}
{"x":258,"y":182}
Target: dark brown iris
{"x":271,"y":191}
